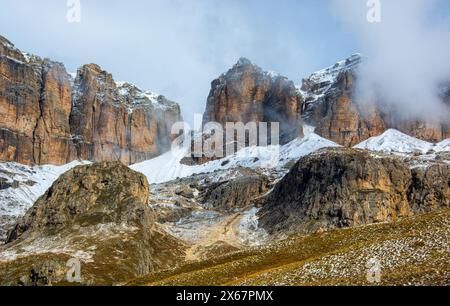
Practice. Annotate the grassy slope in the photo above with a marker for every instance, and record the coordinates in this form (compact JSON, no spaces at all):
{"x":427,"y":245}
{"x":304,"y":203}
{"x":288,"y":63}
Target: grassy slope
{"x":412,"y":251}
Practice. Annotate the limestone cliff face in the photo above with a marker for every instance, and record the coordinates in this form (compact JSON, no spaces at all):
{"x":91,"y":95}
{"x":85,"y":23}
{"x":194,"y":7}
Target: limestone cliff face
{"x":119,"y":122}
{"x":246,"y":93}
{"x":46,"y":117}
{"x":19,"y":84}
{"x":338,"y":118}
{"x":325,"y":100}
{"x":52,"y":135}
{"x":332,"y":107}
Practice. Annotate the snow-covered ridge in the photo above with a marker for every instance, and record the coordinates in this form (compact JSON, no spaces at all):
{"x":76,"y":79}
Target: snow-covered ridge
{"x":320,"y":82}
{"x":443,"y":146}
{"x":330,"y":74}
{"x":393,"y":141}
{"x":168,"y":167}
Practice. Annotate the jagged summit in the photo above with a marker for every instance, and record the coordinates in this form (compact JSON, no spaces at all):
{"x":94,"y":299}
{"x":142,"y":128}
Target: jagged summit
{"x":5,"y":42}
{"x":330,"y":73}
{"x":244,"y":64}
{"x":321,"y":81}
{"x":137,"y":98}
{"x":243,"y":61}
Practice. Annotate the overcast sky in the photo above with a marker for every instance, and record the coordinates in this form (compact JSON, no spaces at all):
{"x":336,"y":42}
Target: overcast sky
{"x":177,"y":47}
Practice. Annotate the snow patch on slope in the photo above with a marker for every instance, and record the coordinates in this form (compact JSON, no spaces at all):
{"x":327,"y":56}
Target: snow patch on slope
{"x":330,"y":74}
{"x":443,"y":146}
{"x":27,"y":184}
{"x":168,"y":167}
{"x":393,"y":141}
{"x":140,"y":98}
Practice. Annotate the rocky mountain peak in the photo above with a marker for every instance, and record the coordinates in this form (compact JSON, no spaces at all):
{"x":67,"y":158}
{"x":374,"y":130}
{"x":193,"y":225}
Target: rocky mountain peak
{"x":94,"y":68}
{"x":247,"y":93}
{"x":321,"y":81}
{"x":243,"y":61}
{"x":332,"y":106}
{"x":5,"y":43}
{"x":8,"y":49}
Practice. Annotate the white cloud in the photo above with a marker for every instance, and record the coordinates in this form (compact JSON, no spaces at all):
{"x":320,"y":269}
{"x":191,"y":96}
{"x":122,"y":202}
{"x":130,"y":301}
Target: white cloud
{"x":408,"y":54}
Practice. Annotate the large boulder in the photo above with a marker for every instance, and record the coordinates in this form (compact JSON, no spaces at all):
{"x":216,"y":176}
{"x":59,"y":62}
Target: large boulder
{"x":236,"y":193}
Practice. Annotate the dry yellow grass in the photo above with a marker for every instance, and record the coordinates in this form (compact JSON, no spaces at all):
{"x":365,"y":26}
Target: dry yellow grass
{"x":412,"y":251}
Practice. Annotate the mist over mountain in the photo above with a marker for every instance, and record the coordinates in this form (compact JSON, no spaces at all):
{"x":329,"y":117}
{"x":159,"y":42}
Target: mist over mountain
{"x":407,"y":63}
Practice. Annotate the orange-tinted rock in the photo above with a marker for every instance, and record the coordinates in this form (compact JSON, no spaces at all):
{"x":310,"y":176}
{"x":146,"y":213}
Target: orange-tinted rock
{"x":46,"y":117}
{"x":332,"y":107}
{"x":338,"y":118}
{"x":52,"y":136}
{"x":123,"y":123}
{"x":20,"y":90}
{"x":246,"y":94}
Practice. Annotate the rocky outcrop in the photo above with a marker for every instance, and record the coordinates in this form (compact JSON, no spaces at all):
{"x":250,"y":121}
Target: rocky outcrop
{"x":95,"y":194}
{"x":430,"y":188}
{"x":101,"y":212}
{"x":246,"y":94}
{"x":338,"y":188}
{"x":236,"y":193}
{"x":338,"y":118}
{"x":47,"y":117}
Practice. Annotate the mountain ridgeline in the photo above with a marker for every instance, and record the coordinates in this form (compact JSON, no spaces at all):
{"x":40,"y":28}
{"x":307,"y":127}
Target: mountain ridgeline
{"x":325,"y":100}
{"x":48,"y":116}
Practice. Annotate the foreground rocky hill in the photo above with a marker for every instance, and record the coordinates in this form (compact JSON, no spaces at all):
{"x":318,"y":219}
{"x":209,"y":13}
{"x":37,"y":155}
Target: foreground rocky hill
{"x":336,"y":188}
{"x":48,"y":116}
{"x":97,"y":214}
